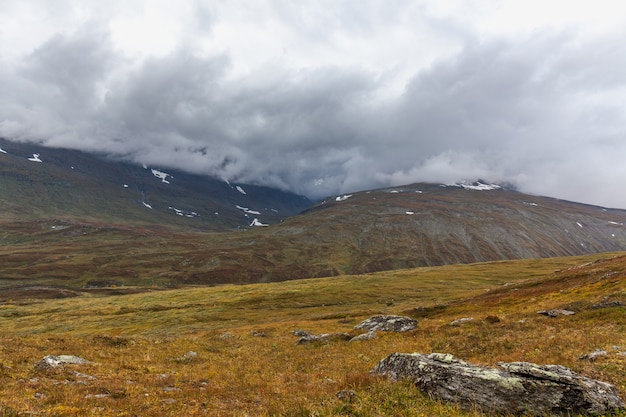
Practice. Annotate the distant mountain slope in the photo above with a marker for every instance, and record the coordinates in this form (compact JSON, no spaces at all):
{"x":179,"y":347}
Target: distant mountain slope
{"x":393,"y":228}
{"x":432,"y":224}
{"x":38,"y":182}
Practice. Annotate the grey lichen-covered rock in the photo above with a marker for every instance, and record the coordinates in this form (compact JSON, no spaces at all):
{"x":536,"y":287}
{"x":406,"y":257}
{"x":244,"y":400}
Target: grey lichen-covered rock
{"x":516,"y":387}
{"x":593,"y":355}
{"x":52,"y":362}
{"x":460,"y":321}
{"x":556,"y":313}
{"x":346,"y":395}
{"x":323,"y":338}
{"x":387,"y":324}
{"x":365,"y":336}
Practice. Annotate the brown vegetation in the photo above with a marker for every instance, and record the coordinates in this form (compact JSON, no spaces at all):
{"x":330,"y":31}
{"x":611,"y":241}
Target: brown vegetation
{"x":246,"y":361}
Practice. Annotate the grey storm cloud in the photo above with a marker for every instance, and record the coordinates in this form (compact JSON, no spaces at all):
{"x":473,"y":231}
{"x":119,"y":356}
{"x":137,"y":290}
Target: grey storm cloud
{"x":543,"y":111}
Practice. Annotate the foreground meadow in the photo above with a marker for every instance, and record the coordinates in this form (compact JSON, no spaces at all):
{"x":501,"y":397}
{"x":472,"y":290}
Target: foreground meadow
{"x":230,"y":350}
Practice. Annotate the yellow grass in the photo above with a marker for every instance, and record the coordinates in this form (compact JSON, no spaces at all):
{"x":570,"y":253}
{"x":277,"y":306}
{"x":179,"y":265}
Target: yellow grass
{"x":247,"y":360}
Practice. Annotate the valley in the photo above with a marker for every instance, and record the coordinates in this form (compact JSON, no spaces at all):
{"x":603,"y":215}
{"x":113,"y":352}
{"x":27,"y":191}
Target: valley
{"x":184,"y":295}
{"x":229,"y":350}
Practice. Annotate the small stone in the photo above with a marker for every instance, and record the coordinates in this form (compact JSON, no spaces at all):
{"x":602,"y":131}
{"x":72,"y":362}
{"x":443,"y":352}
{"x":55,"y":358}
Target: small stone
{"x":190,"y":355}
{"x":593,"y":355}
{"x":324,"y":338}
{"x":300,"y":333}
{"x":92,"y":396}
{"x":365,"y":336}
{"x":346,"y":395}
{"x":556,"y":313}
{"x":458,"y":322}
{"x":608,"y":304}
{"x":255,"y":333}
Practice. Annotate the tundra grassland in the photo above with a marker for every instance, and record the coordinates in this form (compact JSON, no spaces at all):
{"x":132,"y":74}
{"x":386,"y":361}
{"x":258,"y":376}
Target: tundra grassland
{"x":228,"y":350}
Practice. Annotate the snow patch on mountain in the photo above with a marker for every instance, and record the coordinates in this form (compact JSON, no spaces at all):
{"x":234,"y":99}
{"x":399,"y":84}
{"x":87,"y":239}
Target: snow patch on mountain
{"x":343,"y":197}
{"x":241,"y":190}
{"x":248,"y":211}
{"x":2,"y":151}
{"x":477,"y":186}
{"x":182,"y":213}
{"x":35,"y":158}
{"x":146,"y":204}
{"x":161,"y":175}
{"x":256,"y":222}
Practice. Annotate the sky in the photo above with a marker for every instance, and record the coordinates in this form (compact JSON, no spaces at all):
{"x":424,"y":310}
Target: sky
{"x":324,"y":97}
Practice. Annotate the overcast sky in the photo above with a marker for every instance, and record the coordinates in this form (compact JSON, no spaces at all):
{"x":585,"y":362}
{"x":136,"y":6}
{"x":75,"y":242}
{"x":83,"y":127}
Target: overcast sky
{"x":329,"y":96}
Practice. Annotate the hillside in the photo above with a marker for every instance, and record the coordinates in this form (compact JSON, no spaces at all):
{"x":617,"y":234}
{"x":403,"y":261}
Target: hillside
{"x":387,"y":229}
{"x":229,"y":350}
{"x":43,"y":183}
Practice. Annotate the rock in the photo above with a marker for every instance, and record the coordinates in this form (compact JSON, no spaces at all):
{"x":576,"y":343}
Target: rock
{"x":300,"y":333}
{"x":256,"y":333}
{"x":53,"y":362}
{"x":556,"y":313}
{"x":346,"y":395}
{"x":492,"y":319}
{"x":608,"y":304}
{"x":593,"y":355}
{"x":96,"y":396}
{"x":188,"y":357}
{"x":323,"y":338}
{"x":458,"y":322}
{"x":365,"y":336}
{"x":387,"y":324}
{"x":516,"y":387}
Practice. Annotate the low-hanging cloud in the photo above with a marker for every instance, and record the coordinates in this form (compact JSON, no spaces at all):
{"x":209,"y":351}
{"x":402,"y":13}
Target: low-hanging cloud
{"x":543,"y":111}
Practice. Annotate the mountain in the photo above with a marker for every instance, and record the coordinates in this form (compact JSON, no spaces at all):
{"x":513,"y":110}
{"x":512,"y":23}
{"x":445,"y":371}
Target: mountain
{"x":72,"y":224}
{"x":38,"y":182}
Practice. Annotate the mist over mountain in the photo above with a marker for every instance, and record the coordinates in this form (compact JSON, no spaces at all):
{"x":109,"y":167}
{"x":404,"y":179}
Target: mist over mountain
{"x":137,"y":225}
{"x":40,"y":182}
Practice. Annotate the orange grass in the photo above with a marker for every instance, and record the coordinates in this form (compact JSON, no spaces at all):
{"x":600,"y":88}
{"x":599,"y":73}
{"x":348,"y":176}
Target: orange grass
{"x":248,"y":363}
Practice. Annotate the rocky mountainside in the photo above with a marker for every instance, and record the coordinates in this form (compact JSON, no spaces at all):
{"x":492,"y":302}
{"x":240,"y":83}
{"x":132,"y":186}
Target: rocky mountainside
{"x":433,"y":224}
{"x":38,"y":182}
{"x":386,"y":229}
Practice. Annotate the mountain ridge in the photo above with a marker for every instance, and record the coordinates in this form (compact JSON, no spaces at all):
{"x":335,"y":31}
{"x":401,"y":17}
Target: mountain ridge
{"x":47,"y":239}
{"x":38,"y":182}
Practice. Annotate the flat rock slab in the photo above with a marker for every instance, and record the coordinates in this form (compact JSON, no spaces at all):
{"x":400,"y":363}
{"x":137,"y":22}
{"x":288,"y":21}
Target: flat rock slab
{"x":323,"y":338}
{"x":387,"y":324}
{"x":556,"y":313}
{"x":52,"y":362}
{"x":514,"y":387}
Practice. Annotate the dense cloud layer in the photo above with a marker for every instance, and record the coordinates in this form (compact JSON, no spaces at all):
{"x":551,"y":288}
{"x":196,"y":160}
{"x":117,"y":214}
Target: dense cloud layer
{"x":326,"y":97}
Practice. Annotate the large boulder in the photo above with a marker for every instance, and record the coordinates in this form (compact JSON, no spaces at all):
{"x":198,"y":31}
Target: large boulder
{"x":387,"y":324}
{"x":516,"y":387}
